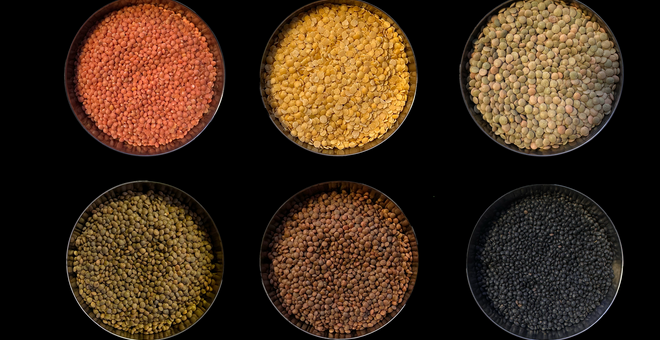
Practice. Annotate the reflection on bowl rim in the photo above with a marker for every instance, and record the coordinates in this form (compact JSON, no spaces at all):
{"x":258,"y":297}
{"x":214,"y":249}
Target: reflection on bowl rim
{"x":122,"y":147}
{"x":412,"y":91}
{"x":525,"y":191}
{"x":186,"y":200}
{"x":486,"y":128}
{"x":326,"y":187}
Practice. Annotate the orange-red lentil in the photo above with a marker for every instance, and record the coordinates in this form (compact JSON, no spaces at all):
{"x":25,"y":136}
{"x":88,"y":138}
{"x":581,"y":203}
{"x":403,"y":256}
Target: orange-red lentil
{"x":145,"y":75}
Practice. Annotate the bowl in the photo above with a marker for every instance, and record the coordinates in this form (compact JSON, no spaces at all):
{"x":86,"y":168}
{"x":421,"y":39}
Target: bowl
{"x":194,"y":206}
{"x":412,"y":69}
{"x":115,"y":144}
{"x":482,"y":227}
{"x":485,"y":126}
{"x":301,"y":196}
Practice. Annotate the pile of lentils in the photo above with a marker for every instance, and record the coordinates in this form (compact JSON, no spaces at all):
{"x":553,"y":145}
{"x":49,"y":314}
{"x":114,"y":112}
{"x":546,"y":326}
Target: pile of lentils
{"x":545,"y":262}
{"x":145,"y":75}
{"x":143,"y":262}
{"x":340,"y":262}
{"x":543,"y":74}
{"x":336,"y":76}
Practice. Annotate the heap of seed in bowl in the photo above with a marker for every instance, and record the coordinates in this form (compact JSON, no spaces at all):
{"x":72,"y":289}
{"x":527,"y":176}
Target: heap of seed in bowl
{"x":143,"y":262}
{"x":545,"y":262}
{"x":340,"y":262}
{"x":543,"y":73}
{"x":145,"y":75}
{"x":337,"y":76}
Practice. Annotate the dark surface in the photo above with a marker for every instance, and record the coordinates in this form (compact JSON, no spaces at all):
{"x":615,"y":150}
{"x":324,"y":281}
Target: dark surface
{"x":439,"y":168}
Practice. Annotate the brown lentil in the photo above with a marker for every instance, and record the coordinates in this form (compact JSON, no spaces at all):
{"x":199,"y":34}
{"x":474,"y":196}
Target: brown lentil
{"x":145,"y":75}
{"x":340,"y":261}
{"x":143,"y":262}
{"x":337,"y":76}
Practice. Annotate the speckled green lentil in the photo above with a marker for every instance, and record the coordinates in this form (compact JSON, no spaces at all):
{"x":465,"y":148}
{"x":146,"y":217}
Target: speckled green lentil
{"x":549,"y":68}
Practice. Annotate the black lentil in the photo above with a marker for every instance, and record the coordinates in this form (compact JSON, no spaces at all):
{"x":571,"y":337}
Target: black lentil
{"x":545,"y":262}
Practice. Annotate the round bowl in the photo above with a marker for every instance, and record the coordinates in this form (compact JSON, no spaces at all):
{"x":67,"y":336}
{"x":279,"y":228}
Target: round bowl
{"x":482,"y":227}
{"x":107,"y":140}
{"x":301,"y":196}
{"x":487,"y":129}
{"x":218,"y":260}
{"x":412,"y":69}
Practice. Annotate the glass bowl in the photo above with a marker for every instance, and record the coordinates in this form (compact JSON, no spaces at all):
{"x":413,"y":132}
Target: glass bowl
{"x":107,"y":140}
{"x":301,"y":196}
{"x":194,"y":206}
{"x":482,"y":227}
{"x":485,"y":126}
{"x":412,"y":69}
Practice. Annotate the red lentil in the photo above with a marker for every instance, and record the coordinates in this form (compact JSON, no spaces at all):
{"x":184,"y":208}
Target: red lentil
{"x":145,"y":75}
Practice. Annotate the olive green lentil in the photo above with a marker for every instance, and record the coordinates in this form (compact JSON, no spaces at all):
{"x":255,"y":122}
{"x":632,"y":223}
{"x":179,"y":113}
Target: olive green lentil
{"x":554,"y":57}
{"x":143,"y":262}
{"x":340,"y":262}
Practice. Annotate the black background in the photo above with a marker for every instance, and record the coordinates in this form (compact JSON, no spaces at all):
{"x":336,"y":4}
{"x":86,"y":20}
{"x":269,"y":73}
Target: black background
{"x":438,"y":167}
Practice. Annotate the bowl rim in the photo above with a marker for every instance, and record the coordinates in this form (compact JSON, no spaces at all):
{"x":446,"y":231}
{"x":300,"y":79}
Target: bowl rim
{"x":118,"y":189}
{"x":412,"y":92}
{"x":323,"y":187}
{"x":69,"y":69}
{"x":563,"y":149}
{"x":542,"y":188}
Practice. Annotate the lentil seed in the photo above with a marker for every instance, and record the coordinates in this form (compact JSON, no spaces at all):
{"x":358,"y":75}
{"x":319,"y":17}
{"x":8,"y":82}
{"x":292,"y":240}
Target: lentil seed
{"x":364,"y":69}
{"x":545,"y":263}
{"x":364,"y":261}
{"x":129,"y":257}
{"x":149,"y":85}
{"x":567,"y":59}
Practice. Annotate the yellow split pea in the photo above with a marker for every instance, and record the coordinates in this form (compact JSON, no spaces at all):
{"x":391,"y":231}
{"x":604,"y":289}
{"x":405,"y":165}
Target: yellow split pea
{"x":337,"y":76}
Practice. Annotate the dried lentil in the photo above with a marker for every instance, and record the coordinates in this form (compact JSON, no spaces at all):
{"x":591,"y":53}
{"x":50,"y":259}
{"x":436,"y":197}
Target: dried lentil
{"x":340,"y":262}
{"x":145,"y":75}
{"x":552,"y":52}
{"x":545,"y":262}
{"x":337,"y":76}
{"x":143,"y":262}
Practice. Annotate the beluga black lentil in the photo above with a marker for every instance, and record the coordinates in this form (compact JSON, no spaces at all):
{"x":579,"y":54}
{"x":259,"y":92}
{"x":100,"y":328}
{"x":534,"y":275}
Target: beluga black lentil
{"x":545,"y":262}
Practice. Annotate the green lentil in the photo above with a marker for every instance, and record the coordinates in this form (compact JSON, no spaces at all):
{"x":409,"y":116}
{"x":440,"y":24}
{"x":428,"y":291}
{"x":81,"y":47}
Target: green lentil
{"x":131,"y":274}
{"x":550,"y":62}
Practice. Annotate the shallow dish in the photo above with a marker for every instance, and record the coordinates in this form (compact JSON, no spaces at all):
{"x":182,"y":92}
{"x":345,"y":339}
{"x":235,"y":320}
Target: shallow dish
{"x":482,"y":226}
{"x":217,"y":250}
{"x":485,"y":126}
{"x":265,"y":262}
{"x":412,"y":69}
{"x":107,"y":140}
